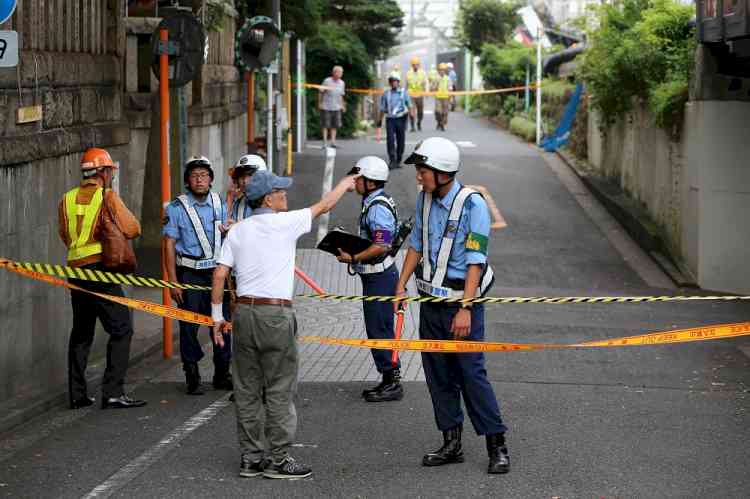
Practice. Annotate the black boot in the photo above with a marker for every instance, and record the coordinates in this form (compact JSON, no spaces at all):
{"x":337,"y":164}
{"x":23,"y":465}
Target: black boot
{"x":192,"y":378}
{"x":223,"y":379}
{"x":391,"y":389}
{"x":498,"y":453}
{"x":450,"y":452}
{"x":374,"y":389}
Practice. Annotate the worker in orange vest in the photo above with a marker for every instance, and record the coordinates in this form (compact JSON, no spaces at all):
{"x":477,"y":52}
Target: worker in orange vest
{"x":80,"y":215}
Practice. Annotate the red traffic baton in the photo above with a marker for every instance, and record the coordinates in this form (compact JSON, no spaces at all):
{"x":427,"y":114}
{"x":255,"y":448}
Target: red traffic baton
{"x":399,"y":328}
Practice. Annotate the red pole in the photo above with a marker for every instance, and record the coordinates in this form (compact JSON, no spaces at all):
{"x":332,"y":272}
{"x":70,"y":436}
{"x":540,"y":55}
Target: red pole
{"x":165,"y":177}
{"x":399,"y":329}
{"x":306,"y":278}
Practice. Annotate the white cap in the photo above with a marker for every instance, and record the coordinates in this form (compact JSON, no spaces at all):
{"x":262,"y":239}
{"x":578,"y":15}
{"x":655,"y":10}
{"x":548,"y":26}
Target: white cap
{"x":253,"y":161}
{"x":371,"y":168}
{"x":437,"y":153}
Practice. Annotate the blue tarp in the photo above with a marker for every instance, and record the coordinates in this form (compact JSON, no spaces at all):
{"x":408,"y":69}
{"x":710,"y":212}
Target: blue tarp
{"x":552,"y":142}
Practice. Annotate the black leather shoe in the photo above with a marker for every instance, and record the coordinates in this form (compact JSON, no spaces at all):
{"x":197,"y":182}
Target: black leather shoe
{"x":374,"y":389}
{"x":390,"y":390}
{"x":223,"y":381}
{"x":450,"y":452}
{"x":121,"y":402}
{"x":498,"y":453}
{"x":82,"y":402}
{"x":192,"y":378}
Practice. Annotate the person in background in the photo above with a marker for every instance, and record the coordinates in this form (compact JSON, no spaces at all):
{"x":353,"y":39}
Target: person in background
{"x":331,"y":104}
{"x":417,"y":83}
{"x":395,"y":105}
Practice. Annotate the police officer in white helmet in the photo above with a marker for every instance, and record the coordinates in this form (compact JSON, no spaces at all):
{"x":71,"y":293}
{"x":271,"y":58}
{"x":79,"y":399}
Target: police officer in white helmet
{"x":241,"y":174}
{"x":448,"y":256}
{"x":378,"y":222}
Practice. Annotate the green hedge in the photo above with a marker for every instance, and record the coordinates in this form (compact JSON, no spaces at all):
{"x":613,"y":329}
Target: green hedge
{"x":524,"y":128}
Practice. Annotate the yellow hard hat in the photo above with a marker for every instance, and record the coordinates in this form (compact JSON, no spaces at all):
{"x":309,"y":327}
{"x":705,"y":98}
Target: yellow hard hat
{"x":415,"y":60}
{"x":442,"y":65}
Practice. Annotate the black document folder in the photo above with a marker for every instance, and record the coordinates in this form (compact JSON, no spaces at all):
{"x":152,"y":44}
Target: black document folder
{"x":349,"y":243}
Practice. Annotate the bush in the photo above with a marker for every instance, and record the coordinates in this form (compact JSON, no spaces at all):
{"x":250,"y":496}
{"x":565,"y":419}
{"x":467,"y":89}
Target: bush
{"x":505,"y":66}
{"x":642,"y":49}
{"x":334,"y":45}
{"x":524,"y":128}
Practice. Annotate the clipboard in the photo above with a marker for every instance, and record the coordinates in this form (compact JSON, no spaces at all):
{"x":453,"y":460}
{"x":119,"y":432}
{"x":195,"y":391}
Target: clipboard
{"x":339,"y":238}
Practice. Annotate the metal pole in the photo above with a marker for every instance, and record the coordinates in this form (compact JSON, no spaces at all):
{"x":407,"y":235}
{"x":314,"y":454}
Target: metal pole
{"x":250,"y":78}
{"x":300,"y":95}
{"x":165,"y":176}
{"x":288,"y":92}
{"x":539,"y":87}
{"x":526,"y":93}
{"x":467,"y":80}
{"x":269,"y":123}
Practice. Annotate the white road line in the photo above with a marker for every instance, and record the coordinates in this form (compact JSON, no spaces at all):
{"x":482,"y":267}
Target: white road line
{"x":327,"y":186}
{"x":155,"y":453}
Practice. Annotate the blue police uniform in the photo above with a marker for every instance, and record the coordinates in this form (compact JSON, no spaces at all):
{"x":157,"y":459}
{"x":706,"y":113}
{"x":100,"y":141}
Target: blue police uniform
{"x":395,"y":105}
{"x":449,"y":376}
{"x":241,"y":209}
{"x":378,"y":224}
{"x":178,"y":226}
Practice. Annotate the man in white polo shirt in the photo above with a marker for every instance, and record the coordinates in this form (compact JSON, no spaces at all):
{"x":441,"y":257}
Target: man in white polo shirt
{"x":261,"y":250}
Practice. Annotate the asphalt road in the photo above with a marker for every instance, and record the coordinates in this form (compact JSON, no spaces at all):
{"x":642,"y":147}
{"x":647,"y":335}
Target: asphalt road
{"x":662,"y":421}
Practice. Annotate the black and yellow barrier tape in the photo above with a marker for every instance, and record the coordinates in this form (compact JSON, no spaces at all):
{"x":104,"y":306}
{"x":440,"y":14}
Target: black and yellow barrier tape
{"x":703,"y":333}
{"x":151,"y":282}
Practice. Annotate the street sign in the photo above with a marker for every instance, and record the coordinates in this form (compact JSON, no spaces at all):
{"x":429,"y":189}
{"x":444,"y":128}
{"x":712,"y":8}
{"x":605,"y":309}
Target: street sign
{"x":6,"y":9}
{"x":8,"y":49}
{"x":187,"y":47}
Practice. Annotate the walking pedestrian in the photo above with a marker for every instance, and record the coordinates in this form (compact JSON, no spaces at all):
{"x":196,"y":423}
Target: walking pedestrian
{"x":80,"y":216}
{"x":453,"y":77}
{"x":246,"y":166}
{"x":331,"y":104}
{"x":193,"y":231}
{"x":442,"y":97}
{"x":417,"y":83}
{"x":448,"y":256}
{"x":378,"y":223}
{"x":261,"y":251}
{"x":395,"y":105}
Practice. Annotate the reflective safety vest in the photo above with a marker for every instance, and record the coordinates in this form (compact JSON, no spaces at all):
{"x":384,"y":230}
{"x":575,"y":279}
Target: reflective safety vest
{"x":401,"y":110}
{"x":431,"y":281}
{"x":80,"y":247}
{"x":444,"y":85}
{"x":241,"y":206}
{"x":208,"y":259}
{"x":383,"y":262}
{"x":416,"y":80}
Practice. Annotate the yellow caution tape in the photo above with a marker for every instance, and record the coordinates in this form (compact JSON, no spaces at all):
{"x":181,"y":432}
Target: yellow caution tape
{"x":150,"y":282}
{"x":378,"y":91}
{"x":677,"y":336}
{"x":559,"y":300}
{"x":451,"y":346}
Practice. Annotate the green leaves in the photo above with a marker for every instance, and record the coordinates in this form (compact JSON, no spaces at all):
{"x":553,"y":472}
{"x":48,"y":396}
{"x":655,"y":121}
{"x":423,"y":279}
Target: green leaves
{"x":642,"y":49}
{"x":485,"y":21}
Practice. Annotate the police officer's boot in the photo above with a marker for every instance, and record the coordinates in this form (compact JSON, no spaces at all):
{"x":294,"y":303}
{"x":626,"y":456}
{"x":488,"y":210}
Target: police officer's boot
{"x":192,"y":378}
{"x":391,"y":389}
{"x":498,"y":453}
{"x":374,"y":389}
{"x":450,"y":452}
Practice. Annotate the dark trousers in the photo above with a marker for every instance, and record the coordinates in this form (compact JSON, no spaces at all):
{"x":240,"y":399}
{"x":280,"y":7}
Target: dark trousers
{"x":451,"y":375}
{"x":200,"y":302}
{"x":379,"y":315}
{"x":396,"y":135}
{"x":419,"y":105}
{"x":117,"y":322}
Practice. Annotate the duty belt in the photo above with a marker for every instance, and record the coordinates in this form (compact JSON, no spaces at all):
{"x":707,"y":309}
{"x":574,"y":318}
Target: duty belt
{"x":375,"y":268}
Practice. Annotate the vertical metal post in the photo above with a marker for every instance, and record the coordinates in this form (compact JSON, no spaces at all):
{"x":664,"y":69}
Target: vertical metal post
{"x":300,"y":95}
{"x":165,"y":175}
{"x":526,"y":96}
{"x":250,"y":79}
{"x":539,"y":87}
{"x":269,"y":123}
{"x":467,"y":79}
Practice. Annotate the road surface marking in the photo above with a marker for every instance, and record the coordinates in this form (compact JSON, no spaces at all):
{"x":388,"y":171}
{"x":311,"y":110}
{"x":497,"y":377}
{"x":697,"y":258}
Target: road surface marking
{"x":158,"y":451}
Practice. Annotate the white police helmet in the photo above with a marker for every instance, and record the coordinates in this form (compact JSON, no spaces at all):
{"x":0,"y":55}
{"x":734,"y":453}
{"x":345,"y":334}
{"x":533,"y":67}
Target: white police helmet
{"x":252,"y":161}
{"x":371,"y":168}
{"x":437,"y":153}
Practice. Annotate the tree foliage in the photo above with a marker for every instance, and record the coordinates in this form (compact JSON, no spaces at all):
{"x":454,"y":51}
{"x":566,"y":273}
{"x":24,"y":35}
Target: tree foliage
{"x":486,"y":21}
{"x":505,"y":66}
{"x":377,"y":23}
{"x":302,"y":17}
{"x":642,"y":49}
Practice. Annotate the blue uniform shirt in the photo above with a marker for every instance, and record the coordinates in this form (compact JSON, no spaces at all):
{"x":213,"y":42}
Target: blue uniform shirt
{"x":394,"y":103}
{"x":473,"y":225}
{"x":380,"y":221}
{"x":236,"y":209}
{"x":178,"y":226}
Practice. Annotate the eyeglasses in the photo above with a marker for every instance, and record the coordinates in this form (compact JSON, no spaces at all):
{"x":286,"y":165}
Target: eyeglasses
{"x":200,"y":176}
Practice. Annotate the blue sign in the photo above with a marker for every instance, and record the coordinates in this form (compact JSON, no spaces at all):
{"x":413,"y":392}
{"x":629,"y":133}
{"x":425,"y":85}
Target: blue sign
{"x":6,"y":9}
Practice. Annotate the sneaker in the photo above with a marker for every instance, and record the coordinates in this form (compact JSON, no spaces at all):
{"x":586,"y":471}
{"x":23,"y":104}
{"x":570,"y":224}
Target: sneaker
{"x":250,"y":468}
{"x":288,"y":468}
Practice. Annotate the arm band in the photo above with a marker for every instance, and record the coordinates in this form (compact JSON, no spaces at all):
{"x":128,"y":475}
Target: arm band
{"x":217,"y":312}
